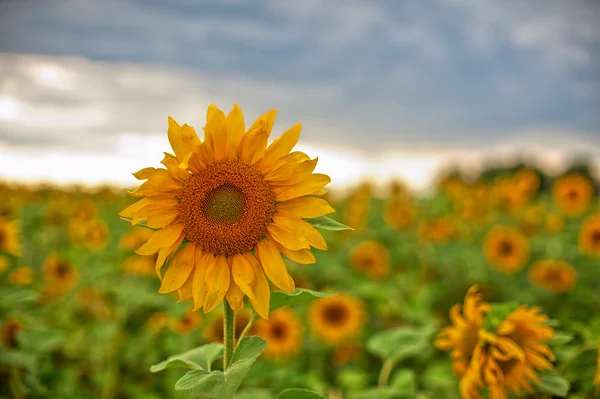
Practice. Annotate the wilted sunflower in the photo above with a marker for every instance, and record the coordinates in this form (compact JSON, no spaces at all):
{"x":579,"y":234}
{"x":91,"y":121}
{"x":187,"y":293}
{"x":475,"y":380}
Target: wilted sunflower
{"x":462,"y":336}
{"x":506,"y":248}
{"x":11,"y":328}
{"x":371,"y":258}
{"x":553,"y":275}
{"x":573,"y":194}
{"x":214,"y":330}
{"x":283,"y":333}
{"x":589,"y":236}
{"x":22,"y":275}
{"x":224,"y":197}
{"x":337,"y":318}
{"x":9,"y":237}
{"x":507,"y":360}
{"x":187,"y":323}
{"x":60,"y":276}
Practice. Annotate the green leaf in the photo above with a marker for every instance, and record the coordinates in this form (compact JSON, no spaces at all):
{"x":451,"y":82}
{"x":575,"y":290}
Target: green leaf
{"x":280,"y":299}
{"x":12,"y":298}
{"x":405,"y":381}
{"x":219,"y":384}
{"x":399,"y":343}
{"x":199,"y":358}
{"x":327,"y":223}
{"x":380,"y":393}
{"x":39,"y":340}
{"x":254,"y":393}
{"x":298,"y":393}
{"x":13,"y":358}
{"x":552,"y":383}
{"x":561,"y":338}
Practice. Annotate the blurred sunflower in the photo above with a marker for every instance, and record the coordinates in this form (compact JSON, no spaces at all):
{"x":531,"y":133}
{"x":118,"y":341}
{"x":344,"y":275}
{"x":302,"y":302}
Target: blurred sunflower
{"x":22,"y":275}
{"x":9,"y":237}
{"x":283,"y":333}
{"x":337,"y":318}
{"x":91,"y":234}
{"x":10,"y":330}
{"x":139,"y":265}
{"x":371,"y":258}
{"x":187,"y":323}
{"x":573,"y":194}
{"x":462,"y":336}
{"x":527,"y":180}
{"x":135,"y":238}
{"x":399,"y":213}
{"x":554,"y":223}
{"x":93,"y":301}
{"x":506,"y":248}
{"x":347,"y":352}
{"x":437,"y":231}
{"x":508,"y":196}
{"x":589,"y":236}
{"x":507,"y":360}
{"x":356,"y":209}
{"x":4,"y":263}
{"x":157,"y":321}
{"x":238,"y":205}
{"x":60,"y":276}
{"x":553,"y":275}
{"x":214,"y":330}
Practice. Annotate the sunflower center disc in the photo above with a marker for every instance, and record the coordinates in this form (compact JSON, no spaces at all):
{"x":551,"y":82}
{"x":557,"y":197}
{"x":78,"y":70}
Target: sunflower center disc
{"x":596,"y":237}
{"x":335,"y":314}
{"x":506,"y":248}
{"x":226,"y":208}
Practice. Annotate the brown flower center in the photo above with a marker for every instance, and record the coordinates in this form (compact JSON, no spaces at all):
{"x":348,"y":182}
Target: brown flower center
{"x":572,"y":194}
{"x":506,"y":248}
{"x":335,"y":314}
{"x":226,"y":208}
{"x":596,"y":237}
{"x":278,"y":331}
{"x":62,"y":270}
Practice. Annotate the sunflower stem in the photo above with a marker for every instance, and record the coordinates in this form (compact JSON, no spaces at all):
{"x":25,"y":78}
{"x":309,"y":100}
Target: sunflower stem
{"x":386,"y":371}
{"x":253,"y":320}
{"x":228,"y":333}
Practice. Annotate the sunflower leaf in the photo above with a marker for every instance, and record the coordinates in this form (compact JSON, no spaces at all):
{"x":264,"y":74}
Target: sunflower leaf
{"x":327,"y":223}
{"x":399,"y":343}
{"x":298,"y":393}
{"x":553,"y":384}
{"x":199,"y":358}
{"x":280,"y":299}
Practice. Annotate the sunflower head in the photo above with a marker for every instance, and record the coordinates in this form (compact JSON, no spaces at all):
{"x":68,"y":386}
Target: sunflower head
{"x":399,"y":213}
{"x":60,"y":275}
{"x":157,"y":321}
{"x":554,"y":223}
{"x":10,"y":330}
{"x":9,"y":237}
{"x":573,"y":194}
{"x":371,"y":258}
{"x":227,"y":207}
{"x":135,"y":238}
{"x":461,"y":336}
{"x":337,"y":319}
{"x":506,"y":248}
{"x":283,"y":333}
{"x":527,"y":180}
{"x":438,"y":230}
{"x":553,"y":275}
{"x":22,"y":275}
{"x":589,"y":236}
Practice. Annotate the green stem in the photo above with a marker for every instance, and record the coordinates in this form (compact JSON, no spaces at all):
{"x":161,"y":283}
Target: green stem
{"x":228,"y":333}
{"x":386,"y":371}
{"x":253,"y":320}
{"x":15,"y":384}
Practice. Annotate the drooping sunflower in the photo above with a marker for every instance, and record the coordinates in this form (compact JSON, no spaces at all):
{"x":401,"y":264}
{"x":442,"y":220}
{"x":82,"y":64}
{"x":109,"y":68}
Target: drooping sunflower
{"x":573,"y":194}
{"x":507,"y":360}
{"x":506,"y":248}
{"x":227,"y":207}
{"x":371,"y":258}
{"x":185,"y":324}
{"x":553,"y":275}
{"x":60,"y":276}
{"x":214,"y":329}
{"x":589,"y":236}
{"x":462,"y":336}
{"x":283,"y":333}
{"x":337,"y":319}
{"x":22,"y":275}
{"x":9,"y":237}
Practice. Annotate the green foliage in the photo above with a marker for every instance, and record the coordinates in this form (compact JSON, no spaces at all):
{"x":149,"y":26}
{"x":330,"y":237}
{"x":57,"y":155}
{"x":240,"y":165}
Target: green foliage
{"x":327,"y":223}
{"x":399,"y":343}
{"x":553,"y":384}
{"x":280,"y":299}
{"x":297,"y":393}
{"x":200,"y":358}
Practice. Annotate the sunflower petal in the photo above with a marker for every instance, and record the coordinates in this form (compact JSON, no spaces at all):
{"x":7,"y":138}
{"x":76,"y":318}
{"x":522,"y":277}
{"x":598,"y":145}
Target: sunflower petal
{"x":300,"y":228}
{"x":303,"y":256}
{"x":254,"y":142}
{"x":280,"y":147}
{"x":215,"y":124}
{"x":273,"y":265}
{"x":217,"y":283}
{"x":203,"y":261}
{"x":243,"y":275}
{"x":288,"y":239}
{"x":235,"y":130}
{"x":180,"y":269}
{"x":260,"y":287}
{"x":310,"y":186}
{"x":189,"y":139}
{"x":305,"y":207}
{"x":235,"y":296}
{"x":186,"y":290}
{"x":163,"y":254}
{"x":160,"y":239}
{"x":133,"y":208}
{"x":174,"y":134}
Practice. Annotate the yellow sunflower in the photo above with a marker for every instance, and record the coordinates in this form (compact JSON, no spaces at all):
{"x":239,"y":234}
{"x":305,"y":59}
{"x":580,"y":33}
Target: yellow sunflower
{"x":337,"y":319}
{"x":399,"y":213}
{"x":553,"y":275}
{"x":11,"y":328}
{"x":231,"y":205}
{"x":135,"y":238}
{"x":589,"y":236}
{"x":462,"y":336}
{"x":22,"y":275}
{"x":371,"y":258}
{"x":573,"y":194}
{"x":157,"y":321}
{"x":60,"y":276}
{"x":438,"y":230}
{"x":139,"y":265}
{"x":527,"y":180}
{"x":357,"y":206}
{"x":187,"y":323}
{"x":506,"y":361}
{"x":214,"y":330}
{"x":9,"y":237}
{"x":554,"y":223}
{"x":506,"y":248}
{"x":283,"y":333}
{"x":347,"y":352}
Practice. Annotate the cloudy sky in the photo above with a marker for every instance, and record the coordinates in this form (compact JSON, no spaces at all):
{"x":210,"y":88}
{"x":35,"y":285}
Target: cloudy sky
{"x":382,"y":87}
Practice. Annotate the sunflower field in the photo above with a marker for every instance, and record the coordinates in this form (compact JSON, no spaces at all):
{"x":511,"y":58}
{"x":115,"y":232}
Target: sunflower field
{"x":487,"y":286}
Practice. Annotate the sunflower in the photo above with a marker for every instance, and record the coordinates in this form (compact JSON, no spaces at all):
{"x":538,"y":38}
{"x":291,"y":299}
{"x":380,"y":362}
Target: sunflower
{"x":527,"y":180}
{"x":9,"y":237}
{"x":509,"y":196}
{"x":90,"y":234}
{"x":438,"y":230}
{"x":157,"y":321}
{"x":337,"y":319}
{"x":506,"y":361}
{"x":347,"y":352}
{"x":462,"y":336}
{"x":589,"y":236}
{"x":60,"y":276}
{"x":553,"y":275}
{"x":283,"y":333}
{"x":227,"y":207}
{"x":22,"y":275}
{"x":139,"y":265}
{"x":356,"y":209}
{"x":187,"y":323}
{"x":214,"y":330}
{"x":135,"y":238}
{"x":573,"y":194}
{"x":11,"y":328}
{"x":506,"y":248}
{"x":554,"y":223}
{"x":399,"y":213}
{"x":371,"y":258}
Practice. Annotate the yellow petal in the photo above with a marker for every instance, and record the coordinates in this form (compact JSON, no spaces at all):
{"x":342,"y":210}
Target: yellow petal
{"x":280,"y":147}
{"x":215,"y":122}
{"x":143,"y":174}
{"x":235,"y":296}
{"x":309,"y":186}
{"x":174,"y":134}
{"x":303,"y":172}
{"x":260,"y":287}
{"x":273,"y":265}
{"x":180,"y":269}
{"x":301,"y":229}
{"x":217,"y":283}
{"x":235,"y":130}
{"x":305,"y":207}
{"x":287,"y":166}
{"x":254,"y":142}
{"x":133,"y":208}
{"x":160,"y":220}
{"x":172,"y":164}
{"x":203,"y":261}
{"x":186,"y":290}
{"x":303,"y":256}
{"x":289,"y":239}
{"x":160,"y":239}
{"x":163,"y":254}
{"x":189,"y":139}
{"x":243,"y":275}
